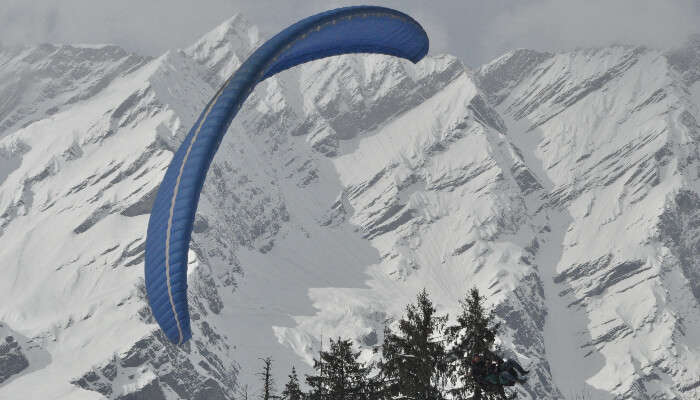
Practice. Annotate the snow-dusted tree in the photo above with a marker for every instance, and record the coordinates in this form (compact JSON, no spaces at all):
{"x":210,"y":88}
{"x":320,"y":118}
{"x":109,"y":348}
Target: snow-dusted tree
{"x":292,"y":391}
{"x":340,"y":375}
{"x":475,"y":333}
{"x":413,"y":358}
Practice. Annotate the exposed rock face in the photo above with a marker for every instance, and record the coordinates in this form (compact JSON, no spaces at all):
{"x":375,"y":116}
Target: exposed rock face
{"x":679,"y":230}
{"x":564,"y":186}
{"x":19,"y":355}
{"x":12,"y":360}
{"x":154,"y":368}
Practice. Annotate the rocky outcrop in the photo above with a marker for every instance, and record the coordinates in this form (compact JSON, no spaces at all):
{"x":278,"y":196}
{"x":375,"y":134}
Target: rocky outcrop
{"x":12,"y":360}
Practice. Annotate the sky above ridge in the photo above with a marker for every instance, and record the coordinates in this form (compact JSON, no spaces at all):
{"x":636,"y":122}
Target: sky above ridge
{"x":474,"y":30}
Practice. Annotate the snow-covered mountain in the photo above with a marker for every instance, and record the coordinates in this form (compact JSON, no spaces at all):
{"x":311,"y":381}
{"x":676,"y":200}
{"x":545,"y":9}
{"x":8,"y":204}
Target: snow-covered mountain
{"x":39,"y":81}
{"x":565,"y":186}
{"x":612,"y":137}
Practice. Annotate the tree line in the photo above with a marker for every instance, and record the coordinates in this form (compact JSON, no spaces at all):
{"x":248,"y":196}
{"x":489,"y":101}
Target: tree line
{"x":422,"y":358}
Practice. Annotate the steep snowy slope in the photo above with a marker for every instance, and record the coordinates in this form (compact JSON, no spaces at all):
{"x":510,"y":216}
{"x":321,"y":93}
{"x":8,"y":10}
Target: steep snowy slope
{"x":39,"y":81}
{"x":563,"y":186}
{"x":612,"y":137}
{"x":75,"y":208}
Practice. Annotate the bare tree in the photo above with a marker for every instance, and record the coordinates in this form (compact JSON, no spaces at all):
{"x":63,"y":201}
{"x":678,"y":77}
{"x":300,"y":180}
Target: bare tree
{"x":268,"y":390}
{"x":243,"y":392}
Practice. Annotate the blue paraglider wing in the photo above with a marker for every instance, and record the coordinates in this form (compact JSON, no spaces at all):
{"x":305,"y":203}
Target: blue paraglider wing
{"x":362,"y":29}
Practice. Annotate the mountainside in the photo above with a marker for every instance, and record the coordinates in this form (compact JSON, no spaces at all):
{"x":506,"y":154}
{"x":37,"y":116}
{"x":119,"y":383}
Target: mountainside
{"x":564,"y":186}
{"x":614,"y":145}
{"x":39,"y":81}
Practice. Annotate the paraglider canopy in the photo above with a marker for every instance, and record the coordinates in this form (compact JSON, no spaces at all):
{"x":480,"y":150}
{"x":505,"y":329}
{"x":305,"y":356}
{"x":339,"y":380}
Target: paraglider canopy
{"x":362,"y":29}
{"x":349,"y":30}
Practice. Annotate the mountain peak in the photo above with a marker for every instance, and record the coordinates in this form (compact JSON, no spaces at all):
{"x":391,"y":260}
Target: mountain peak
{"x":235,"y":27}
{"x":222,"y":49}
{"x":37,"y":81}
{"x":686,"y":60}
{"x":498,"y":76}
{"x":513,"y":55}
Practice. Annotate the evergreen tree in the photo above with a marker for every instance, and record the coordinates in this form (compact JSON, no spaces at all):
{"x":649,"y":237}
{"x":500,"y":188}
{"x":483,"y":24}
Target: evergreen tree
{"x":340,"y":375}
{"x":268,"y":390}
{"x":413,"y":359}
{"x":292,"y":391}
{"x":475,"y":333}
{"x":375,"y":389}
{"x":315,"y":383}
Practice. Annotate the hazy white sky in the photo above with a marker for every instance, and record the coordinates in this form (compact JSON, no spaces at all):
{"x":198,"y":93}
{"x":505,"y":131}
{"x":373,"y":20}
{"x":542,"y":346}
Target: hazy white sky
{"x":475,"y":30}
